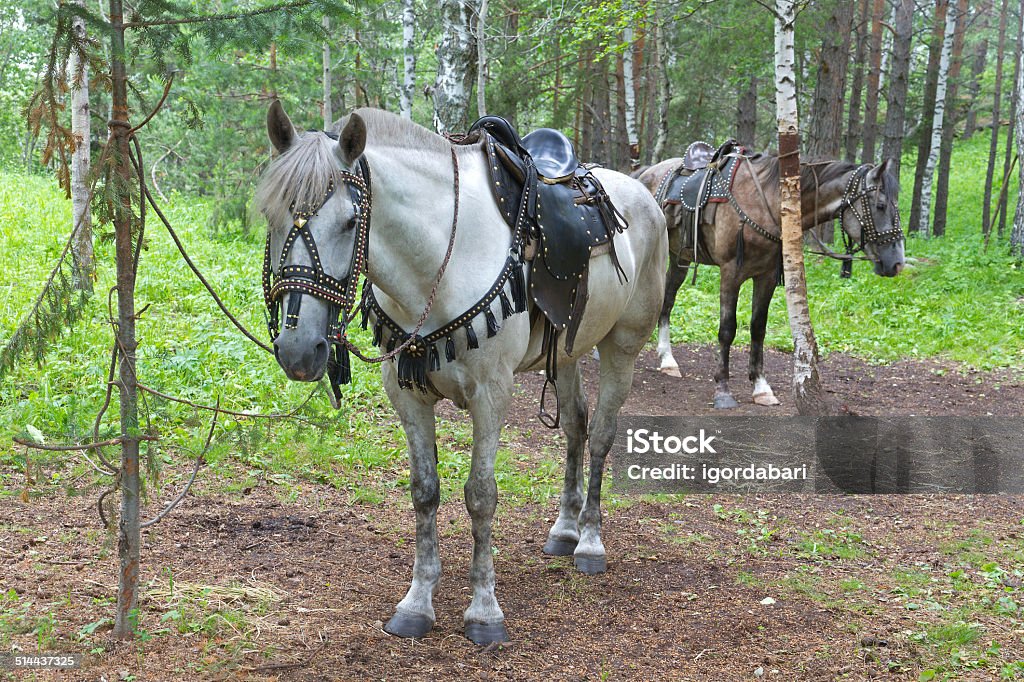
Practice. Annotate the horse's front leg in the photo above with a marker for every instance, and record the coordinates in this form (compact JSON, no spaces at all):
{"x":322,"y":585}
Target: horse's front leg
{"x":764,"y":289}
{"x":484,"y":620}
{"x":728,"y":294}
{"x":414,"y":615}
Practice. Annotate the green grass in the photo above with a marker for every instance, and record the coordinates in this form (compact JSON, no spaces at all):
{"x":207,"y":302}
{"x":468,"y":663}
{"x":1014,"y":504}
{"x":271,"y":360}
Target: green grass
{"x":955,"y":300}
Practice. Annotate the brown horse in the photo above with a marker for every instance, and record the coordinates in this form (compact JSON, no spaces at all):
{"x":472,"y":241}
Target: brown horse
{"x":863,"y":197}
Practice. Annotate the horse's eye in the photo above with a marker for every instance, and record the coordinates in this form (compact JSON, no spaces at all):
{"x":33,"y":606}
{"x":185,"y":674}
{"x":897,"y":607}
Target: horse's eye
{"x":351,"y":223}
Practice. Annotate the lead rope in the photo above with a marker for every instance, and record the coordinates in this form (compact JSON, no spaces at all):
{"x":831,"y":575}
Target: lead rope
{"x":433,"y":292}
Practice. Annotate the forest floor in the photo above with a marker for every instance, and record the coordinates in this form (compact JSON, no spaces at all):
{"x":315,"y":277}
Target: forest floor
{"x":262,"y":585}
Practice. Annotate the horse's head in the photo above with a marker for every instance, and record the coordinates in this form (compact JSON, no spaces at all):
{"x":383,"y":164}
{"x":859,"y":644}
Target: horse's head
{"x":315,"y":196}
{"x":871,"y":218}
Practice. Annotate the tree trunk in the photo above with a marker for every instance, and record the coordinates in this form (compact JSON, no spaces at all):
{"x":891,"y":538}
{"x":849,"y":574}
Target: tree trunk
{"x":824,"y":139}
{"x":746,"y":114}
{"x":808,"y":394}
{"x":895,"y":111}
{"x":481,"y":60}
{"x":83,"y":259}
{"x":408,"y":58}
{"x":1017,"y":235}
{"x":986,"y":225}
{"x":953,"y":115}
{"x":328,"y":112}
{"x":125,"y":618}
{"x":853,"y":126}
{"x":629,"y":100}
{"x":1010,"y":130}
{"x":928,"y":110}
{"x":871,"y":96}
{"x":937,"y":121}
{"x":456,"y":65}
{"x":977,"y":68}
{"x":664,"y":85}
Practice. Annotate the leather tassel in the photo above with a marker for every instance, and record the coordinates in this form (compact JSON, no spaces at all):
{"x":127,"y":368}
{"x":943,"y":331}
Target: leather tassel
{"x":506,"y":306}
{"x":344,"y":365}
{"x":492,"y":324}
{"x":377,"y":328}
{"x":435,"y":358}
{"x":365,"y":319}
{"x":449,"y":349}
{"x":412,"y":372}
{"x":739,"y":248}
{"x":392,"y":342}
{"x":471,"y":341}
{"x":518,"y":287}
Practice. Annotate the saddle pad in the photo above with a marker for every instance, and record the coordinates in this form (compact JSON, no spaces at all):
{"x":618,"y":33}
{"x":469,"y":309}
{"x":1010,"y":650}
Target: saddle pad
{"x":567,"y":230}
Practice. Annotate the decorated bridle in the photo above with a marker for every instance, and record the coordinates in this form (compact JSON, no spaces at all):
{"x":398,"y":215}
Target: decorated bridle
{"x":299,"y":280}
{"x":858,"y":200}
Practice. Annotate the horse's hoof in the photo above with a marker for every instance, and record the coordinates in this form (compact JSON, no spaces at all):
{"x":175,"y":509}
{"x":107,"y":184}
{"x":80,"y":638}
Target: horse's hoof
{"x":725,"y":402}
{"x":408,"y":625}
{"x":483,"y":633}
{"x":671,"y":371}
{"x":590,"y":565}
{"x":766,"y":399}
{"x":555,"y":547}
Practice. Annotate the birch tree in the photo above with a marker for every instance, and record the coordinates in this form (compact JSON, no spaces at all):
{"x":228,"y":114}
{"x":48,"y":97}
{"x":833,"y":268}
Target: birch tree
{"x":83,"y":259}
{"x":928,"y":109}
{"x":924,"y":226}
{"x":629,"y":98}
{"x":808,"y":395}
{"x":408,"y":58}
{"x":456,"y":65}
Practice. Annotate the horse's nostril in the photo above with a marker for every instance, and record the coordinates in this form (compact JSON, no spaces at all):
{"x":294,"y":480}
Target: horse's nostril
{"x":320,"y":353}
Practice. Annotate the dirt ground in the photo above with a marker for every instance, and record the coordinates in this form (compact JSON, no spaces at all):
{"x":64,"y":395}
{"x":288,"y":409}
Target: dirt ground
{"x":711,"y":588}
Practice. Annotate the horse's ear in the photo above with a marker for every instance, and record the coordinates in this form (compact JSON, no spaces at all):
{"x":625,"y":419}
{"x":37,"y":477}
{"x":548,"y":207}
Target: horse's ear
{"x":881,"y":169}
{"x":279,"y":127}
{"x":352,"y":140}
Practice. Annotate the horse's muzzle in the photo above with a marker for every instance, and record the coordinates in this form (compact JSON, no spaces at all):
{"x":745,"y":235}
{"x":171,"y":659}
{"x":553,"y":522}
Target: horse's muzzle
{"x":301,"y":361}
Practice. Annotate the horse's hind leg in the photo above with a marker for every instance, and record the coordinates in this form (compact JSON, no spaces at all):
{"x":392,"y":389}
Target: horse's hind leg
{"x":764,"y":289}
{"x":414,"y":615}
{"x":484,"y":620}
{"x":676,"y":276}
{"x":572,"y":406}
{"x":727,"y":297}
{"x":617,"y":365}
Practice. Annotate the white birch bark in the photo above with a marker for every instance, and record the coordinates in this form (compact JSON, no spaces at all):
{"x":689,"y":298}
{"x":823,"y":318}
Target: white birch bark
{"x":82,"y":251}
{"x":806,"y":386}
{"x":409,"y":58}
{"x":629,"y":97}
{"x":481,"y":60}
{"x":328,"y":112}
{"x":940,"y":110}
{"x":1017,"y":235}
{"x":456,"y":65}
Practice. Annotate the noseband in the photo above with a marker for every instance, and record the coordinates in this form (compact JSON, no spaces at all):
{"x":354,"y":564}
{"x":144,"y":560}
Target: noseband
{"x":858,"y":200}
{"x":340,"y":295}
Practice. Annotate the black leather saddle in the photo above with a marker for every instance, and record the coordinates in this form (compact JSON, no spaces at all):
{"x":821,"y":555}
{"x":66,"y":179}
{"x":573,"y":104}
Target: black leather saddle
{"x":541,"y":187}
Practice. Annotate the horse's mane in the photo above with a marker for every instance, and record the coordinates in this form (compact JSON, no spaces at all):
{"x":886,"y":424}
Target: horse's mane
{"x":817,"y":173}
{"x":301,"y":175}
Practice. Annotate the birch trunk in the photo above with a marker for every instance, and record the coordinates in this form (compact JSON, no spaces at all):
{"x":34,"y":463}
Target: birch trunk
{"x":899,"y":79}
{"x":481,"y":61}
{"x":924,"y":226}
{"x":456,"y":65}
{"x":1017,"y":235}
{"x":806,"y":383}
{"x":629,"y":99}
{"x":928,"y":110}
{"x":328,"y":112}
{"x":408,"y":59}
{"x":84,"y":262}
{"x":952,"y":117}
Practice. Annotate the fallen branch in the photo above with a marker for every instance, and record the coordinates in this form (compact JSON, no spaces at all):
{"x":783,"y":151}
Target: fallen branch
{"x":86,"y":446}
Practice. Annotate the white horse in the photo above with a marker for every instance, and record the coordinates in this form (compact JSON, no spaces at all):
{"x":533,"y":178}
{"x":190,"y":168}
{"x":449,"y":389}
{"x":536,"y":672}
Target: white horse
{"x":410,"y":182}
